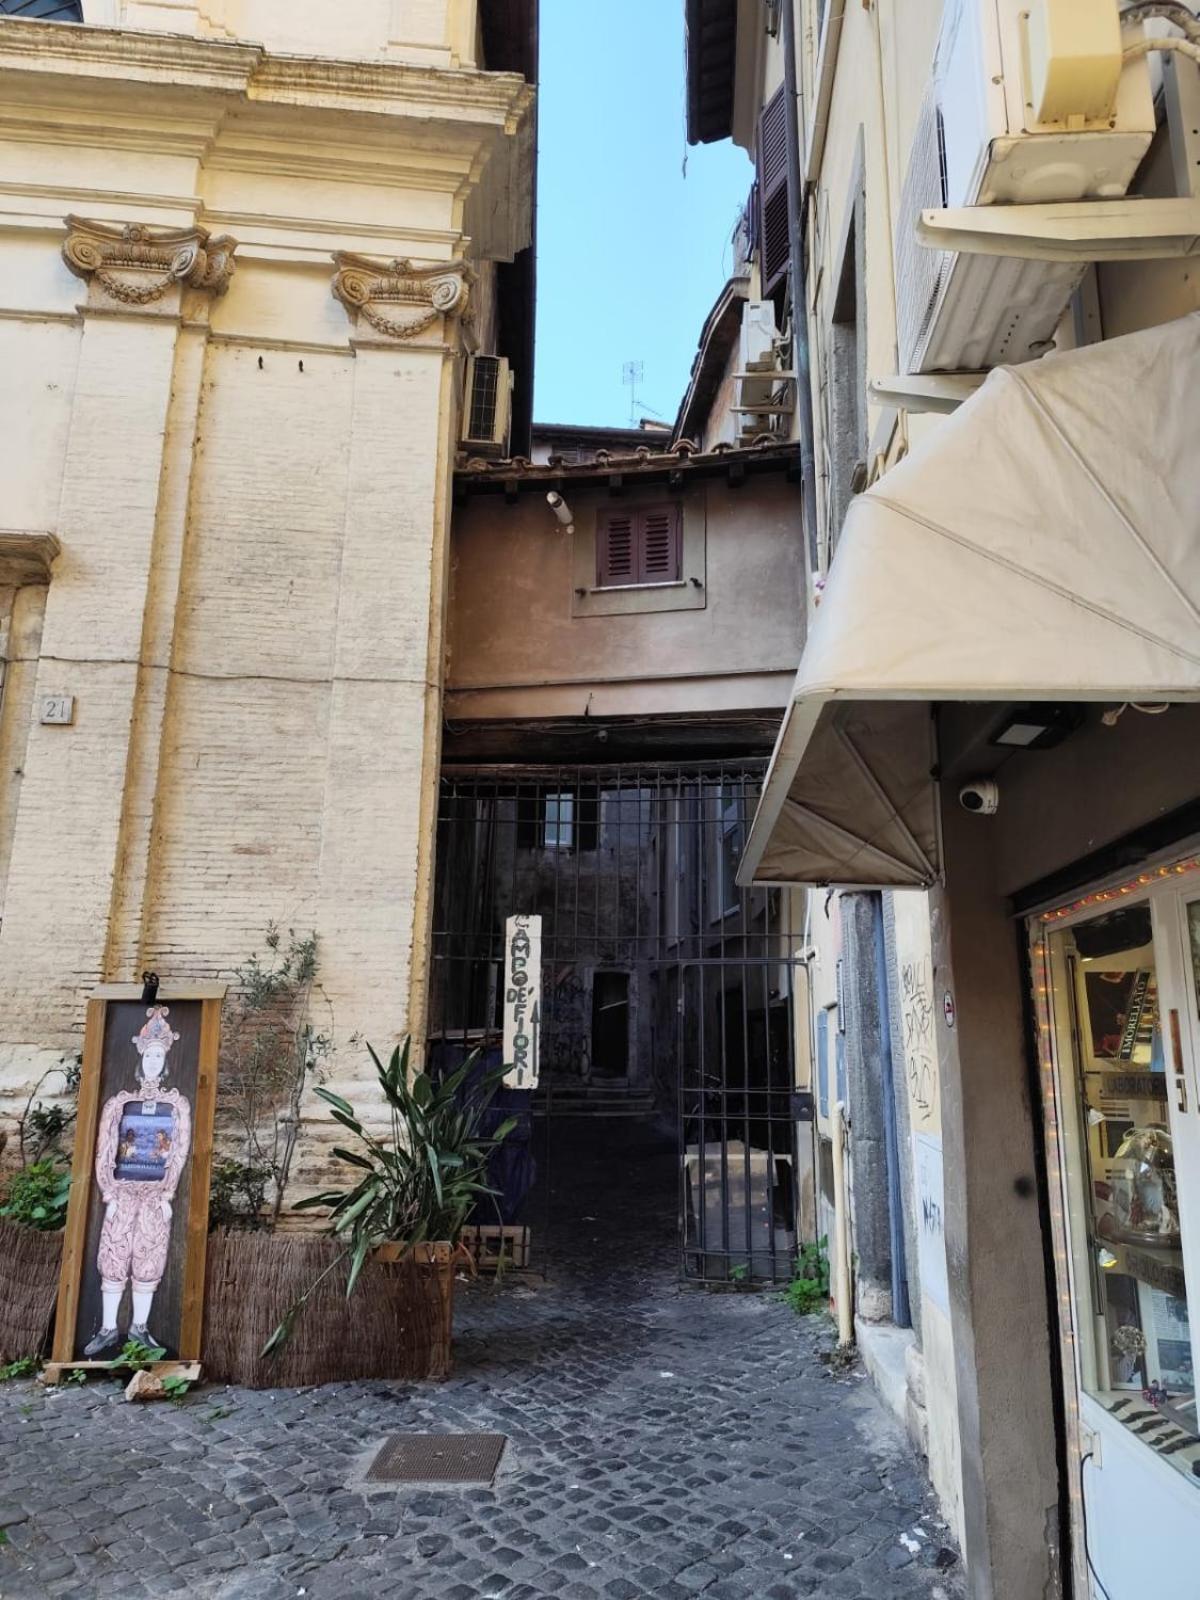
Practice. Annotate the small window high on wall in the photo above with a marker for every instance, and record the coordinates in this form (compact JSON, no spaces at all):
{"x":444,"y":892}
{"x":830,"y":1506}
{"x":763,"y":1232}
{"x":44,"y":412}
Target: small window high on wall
{"x":639,"y":546}
{"x":48,"y":10}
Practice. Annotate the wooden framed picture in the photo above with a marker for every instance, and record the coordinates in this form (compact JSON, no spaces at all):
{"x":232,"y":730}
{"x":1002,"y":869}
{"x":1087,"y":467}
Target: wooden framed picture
{"x":137,"y":1221}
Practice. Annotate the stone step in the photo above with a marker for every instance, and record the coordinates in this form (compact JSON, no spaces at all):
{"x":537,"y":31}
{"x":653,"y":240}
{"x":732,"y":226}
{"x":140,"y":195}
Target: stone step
{"x":591,"y":1100}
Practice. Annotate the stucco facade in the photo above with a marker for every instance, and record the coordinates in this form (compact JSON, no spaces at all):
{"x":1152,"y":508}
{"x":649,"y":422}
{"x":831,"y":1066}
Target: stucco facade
{"x":973,"y":1240}
{"x":229,"y":480}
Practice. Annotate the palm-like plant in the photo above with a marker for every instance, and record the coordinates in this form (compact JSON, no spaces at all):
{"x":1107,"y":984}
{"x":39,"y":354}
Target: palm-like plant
{"x":417,"y":1186}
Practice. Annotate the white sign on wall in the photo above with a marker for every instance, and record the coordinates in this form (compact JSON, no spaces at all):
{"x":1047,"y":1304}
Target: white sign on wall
{"x":931,"y":1222}
{"x":522,"y":1000}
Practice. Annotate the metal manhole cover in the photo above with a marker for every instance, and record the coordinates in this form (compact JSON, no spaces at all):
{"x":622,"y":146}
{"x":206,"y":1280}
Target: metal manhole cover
{"x":438,"y":1458}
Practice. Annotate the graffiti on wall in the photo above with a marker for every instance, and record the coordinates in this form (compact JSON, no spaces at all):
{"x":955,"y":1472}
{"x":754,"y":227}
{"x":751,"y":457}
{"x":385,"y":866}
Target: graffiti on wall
{"x":920,"y":1039}
{"x":931,"y":1221}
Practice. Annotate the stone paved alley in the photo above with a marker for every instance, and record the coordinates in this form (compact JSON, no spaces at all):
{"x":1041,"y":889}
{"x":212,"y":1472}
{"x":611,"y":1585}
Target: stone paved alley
{"x":662,"y":1442}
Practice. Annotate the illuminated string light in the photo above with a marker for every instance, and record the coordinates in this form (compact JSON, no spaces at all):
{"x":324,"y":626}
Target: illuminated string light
{"x":1143,"y":880}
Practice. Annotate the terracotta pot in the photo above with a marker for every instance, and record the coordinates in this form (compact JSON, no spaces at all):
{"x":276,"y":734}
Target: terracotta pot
{"x":396,"y":1324}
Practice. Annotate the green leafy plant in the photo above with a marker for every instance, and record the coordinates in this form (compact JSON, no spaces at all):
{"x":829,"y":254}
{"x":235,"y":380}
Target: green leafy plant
{"x":41,"y":1127}
{"x":272,"y":1048}
{"x":78,"y":1376}
{"x":809,"y":1289}
{"x":36,"y":1196}
{"x":420,"y":1183}
{"x":22,"y":1367}
{"x":238,"y":1195}
{"x":739,"y":1276}
{"x":136,"y":1356}
{"x":176,"y":1388}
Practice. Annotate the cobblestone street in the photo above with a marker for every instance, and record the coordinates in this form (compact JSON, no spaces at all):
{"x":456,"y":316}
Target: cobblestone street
{"x":662,"y":1442}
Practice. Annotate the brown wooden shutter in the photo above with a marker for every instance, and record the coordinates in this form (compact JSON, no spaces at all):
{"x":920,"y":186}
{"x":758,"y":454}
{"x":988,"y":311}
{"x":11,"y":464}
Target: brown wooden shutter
{"x":640,"y":546}
{"x":774,"y":202}
{"x":616,"y":550}
{"x":658,"y":545}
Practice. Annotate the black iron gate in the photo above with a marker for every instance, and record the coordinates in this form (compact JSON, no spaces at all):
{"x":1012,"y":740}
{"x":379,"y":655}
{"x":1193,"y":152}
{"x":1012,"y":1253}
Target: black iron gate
{"x":666,"y":989}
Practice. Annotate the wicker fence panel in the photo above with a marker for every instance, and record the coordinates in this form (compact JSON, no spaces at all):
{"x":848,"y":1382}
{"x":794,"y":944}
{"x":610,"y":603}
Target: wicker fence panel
{"x":29,"y":1263}
{"x":395,"y":1325}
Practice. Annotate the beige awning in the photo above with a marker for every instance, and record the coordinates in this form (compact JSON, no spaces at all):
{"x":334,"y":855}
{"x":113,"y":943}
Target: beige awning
{"x":1042,"y":544}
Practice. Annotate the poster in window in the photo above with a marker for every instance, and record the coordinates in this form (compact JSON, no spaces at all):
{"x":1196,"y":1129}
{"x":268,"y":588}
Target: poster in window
{"x":133,"y":1258}
{"x":1122,"y":1016}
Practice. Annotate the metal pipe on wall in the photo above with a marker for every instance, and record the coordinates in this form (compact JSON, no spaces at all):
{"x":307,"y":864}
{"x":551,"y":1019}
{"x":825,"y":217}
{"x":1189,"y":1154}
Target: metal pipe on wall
{"x":841,"y":1213}
{"x":798,"y":278}
{"x":901,"y":1311}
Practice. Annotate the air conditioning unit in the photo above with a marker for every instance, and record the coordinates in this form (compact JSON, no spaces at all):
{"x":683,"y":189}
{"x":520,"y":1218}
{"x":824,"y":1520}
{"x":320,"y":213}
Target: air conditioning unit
{"x":1028,"y":102}
{"x":487,"y":405}
{"x":766,"y":398}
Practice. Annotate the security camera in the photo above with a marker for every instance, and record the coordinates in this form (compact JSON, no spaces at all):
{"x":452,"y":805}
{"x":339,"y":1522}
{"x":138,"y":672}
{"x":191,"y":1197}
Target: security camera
{"x":981,"y":795}
{"x":561,"y":510}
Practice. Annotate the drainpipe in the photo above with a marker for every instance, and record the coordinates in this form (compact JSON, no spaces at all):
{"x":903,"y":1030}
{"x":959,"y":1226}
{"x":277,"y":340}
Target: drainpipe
{"x":799,"y":288}
{"x":841,"y":1226}
{"x":901,"y":1310}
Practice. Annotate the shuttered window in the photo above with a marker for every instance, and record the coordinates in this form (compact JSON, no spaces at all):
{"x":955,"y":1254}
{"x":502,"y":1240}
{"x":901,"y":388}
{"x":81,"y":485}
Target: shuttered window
{"x":639,"y":546}
{"x":774,"y":201}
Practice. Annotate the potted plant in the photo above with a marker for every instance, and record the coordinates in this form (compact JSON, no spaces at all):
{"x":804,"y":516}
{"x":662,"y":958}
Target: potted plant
{"x":374,"y":1297}
{"x":33,"y":1213}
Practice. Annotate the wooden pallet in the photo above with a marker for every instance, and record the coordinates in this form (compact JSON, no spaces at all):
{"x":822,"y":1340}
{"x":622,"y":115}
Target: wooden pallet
{"x":498,"y":1245}
{"x":54,"y":1371}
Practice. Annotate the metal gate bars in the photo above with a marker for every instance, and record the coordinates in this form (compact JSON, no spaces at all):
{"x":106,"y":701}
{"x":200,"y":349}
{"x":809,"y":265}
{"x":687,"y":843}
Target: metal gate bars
{"x":666,"y":989}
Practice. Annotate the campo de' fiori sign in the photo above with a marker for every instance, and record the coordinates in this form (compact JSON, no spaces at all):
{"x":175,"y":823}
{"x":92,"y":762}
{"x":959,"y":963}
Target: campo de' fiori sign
{"x":522,"y":1000}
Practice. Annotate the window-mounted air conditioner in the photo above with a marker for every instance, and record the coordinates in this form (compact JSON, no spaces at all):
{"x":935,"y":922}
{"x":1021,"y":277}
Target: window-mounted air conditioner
{"x":765,"y":399}
{"x":487,"y":405}
{"x":1028,"y":102}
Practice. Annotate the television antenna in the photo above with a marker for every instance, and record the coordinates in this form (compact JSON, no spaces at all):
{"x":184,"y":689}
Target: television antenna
{"x":632,"y":374}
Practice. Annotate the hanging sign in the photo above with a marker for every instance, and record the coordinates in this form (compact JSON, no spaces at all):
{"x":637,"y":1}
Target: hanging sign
{"x":522,"y":1000}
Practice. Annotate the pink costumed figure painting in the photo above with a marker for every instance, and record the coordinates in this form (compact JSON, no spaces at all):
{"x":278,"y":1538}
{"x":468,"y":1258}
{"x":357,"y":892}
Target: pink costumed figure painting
{"x":141,"y":1151}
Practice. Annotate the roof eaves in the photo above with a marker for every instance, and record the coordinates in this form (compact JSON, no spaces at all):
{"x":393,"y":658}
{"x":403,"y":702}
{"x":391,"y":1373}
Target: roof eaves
{"x":711,"y":54}
{"x":510,"y":477}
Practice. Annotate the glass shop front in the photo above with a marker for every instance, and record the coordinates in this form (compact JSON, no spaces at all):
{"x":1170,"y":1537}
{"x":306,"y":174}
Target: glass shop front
{"x":1117,"y":984}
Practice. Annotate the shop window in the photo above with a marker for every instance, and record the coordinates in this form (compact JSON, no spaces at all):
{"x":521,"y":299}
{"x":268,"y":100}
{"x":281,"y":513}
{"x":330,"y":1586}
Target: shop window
{"x":1117,"y":1037}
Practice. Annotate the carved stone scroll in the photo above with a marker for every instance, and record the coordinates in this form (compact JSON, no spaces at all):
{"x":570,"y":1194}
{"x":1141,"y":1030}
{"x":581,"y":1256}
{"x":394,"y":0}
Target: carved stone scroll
{"x":375,"y":289}
{"x":138,"y":264}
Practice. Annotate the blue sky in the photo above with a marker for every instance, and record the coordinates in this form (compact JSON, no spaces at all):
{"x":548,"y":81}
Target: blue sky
{"x":631,"y":254}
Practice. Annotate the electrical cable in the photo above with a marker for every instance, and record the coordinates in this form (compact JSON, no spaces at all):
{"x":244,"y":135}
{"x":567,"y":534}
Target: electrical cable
{"x":1166,"y":46}
{"x":1104,"y":1594}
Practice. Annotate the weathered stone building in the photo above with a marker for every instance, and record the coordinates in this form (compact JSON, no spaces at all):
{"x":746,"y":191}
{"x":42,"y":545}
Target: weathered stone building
{"x":245,"y":250}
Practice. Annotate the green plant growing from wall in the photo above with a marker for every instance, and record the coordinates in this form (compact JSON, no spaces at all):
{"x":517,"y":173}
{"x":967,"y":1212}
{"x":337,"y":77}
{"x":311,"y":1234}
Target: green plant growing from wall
{"x":809,"y":1289}
{"x":419,"y":1184}
{"x":40,"y":1127}
{"x":271,"y":1050}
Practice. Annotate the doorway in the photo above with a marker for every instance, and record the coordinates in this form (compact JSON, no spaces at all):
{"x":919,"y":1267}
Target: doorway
{"x":610,"y":1026}
{"x":1118,"y":982}
{"x":665,"y":989}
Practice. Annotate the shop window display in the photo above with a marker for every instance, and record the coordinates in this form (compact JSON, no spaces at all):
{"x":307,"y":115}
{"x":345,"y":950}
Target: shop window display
{"x":1126,"y":1228}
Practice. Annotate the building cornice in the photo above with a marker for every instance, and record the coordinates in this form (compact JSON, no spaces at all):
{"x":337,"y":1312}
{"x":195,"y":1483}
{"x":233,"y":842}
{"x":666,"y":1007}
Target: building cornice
{"x":179,"y":62}
{"x":227,"y":106}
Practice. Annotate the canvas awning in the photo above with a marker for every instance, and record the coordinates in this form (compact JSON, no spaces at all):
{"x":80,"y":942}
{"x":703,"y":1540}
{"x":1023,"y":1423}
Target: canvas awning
{"x":1042,"y":544}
